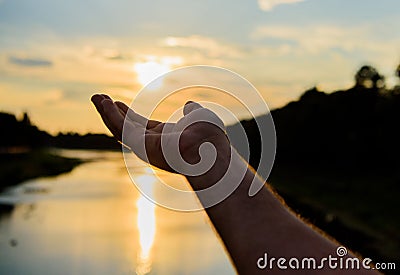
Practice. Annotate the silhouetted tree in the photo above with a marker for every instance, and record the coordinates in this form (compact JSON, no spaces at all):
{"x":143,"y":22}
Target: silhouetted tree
{"x":396,"y":89}
{"x":368,"y":77}
{"x":25,"y":119}
{"x":313,"y":94}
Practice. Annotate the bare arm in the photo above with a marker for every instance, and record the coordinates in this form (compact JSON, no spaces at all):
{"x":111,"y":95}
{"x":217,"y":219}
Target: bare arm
{"x":248,"y":226}
{"x":252,"y":226}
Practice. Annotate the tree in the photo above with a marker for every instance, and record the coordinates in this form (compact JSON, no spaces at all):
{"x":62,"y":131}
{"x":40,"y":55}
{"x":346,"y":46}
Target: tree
{"x":25,"y":119}
{"x":396,"y":89}
{"x":368,"y":77}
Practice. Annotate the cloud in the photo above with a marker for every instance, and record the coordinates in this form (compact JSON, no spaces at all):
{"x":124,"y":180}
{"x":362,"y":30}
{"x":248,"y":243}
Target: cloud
{"x":321,"y":38}
{"x":30,"y":62}
{"x":268,"y":5}
{"x":209,"y":46}
{"x":110,"y":53}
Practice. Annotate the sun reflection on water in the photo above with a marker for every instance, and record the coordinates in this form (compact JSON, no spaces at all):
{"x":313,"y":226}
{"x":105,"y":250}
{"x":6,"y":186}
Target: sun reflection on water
{"x":146,"y":223}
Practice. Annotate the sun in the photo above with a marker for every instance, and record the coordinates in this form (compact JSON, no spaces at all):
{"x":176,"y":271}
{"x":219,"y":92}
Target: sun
{"x":150,"y":70}
{"x":153,"y":68}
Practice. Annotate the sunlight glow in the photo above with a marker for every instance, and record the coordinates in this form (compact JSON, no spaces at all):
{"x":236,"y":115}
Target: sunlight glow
{"x":147,"y":71}
{"x":154,"y":67}
{"x":146,"y":223}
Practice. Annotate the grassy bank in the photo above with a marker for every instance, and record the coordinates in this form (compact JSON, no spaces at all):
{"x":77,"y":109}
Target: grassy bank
{"x":358,"y":211}
{"x":19,"y":167}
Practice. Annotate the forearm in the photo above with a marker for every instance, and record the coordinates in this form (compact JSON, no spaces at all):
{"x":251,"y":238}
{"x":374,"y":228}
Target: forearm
{"x":248,"y":226}
{"x":252,"y":226}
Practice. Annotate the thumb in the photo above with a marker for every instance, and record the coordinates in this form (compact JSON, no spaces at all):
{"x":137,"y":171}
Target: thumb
{"x":190,"y":106}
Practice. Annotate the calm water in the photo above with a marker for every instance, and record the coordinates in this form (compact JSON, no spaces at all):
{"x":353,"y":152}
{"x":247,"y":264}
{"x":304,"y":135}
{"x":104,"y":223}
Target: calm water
{"x":94,"y":221}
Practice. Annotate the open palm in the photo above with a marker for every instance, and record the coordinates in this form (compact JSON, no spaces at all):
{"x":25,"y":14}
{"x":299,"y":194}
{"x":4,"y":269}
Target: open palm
{"x":174,"y":147}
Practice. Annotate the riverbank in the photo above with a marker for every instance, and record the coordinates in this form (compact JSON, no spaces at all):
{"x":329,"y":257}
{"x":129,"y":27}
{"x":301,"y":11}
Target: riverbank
{"x":357,"y":210}
{"x":21,"y":166}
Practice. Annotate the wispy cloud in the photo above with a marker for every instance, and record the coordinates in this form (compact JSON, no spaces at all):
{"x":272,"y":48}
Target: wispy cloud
{"x":210,"y":46}
{"x":105,"y":53}
{"x":268,"y":5}
{"x":337,"y":49}
{"x":30,"y":62}
{"x":317,"y":39}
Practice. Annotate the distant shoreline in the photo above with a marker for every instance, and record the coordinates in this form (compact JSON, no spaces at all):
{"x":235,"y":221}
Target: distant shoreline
{"x":19,"y":166}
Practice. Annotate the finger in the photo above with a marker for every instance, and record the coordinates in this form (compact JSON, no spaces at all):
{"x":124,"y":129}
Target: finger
{"x":112,"y":117}
{"x":197,"y":113}
{"x":190,"y":106}
{"x":97,"y":100}
{"x":106,"y":96}
{"x":146,"y":144}
{"x":124,"y":108}
{"x":132,"y":115}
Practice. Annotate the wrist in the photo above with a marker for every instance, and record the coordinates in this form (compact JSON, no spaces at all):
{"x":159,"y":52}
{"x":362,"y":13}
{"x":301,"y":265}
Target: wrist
{"x":228,"y":166}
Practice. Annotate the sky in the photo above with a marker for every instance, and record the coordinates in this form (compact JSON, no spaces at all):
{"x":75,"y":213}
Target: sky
{"x":55,"y":54}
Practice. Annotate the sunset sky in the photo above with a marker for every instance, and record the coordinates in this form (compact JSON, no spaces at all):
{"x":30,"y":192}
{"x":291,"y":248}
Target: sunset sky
{"x":54,"y":54}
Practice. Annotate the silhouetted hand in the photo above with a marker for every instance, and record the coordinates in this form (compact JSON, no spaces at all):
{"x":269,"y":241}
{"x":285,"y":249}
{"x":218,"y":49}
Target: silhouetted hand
{"x":168,"y":145}
{"x":248,"y":226}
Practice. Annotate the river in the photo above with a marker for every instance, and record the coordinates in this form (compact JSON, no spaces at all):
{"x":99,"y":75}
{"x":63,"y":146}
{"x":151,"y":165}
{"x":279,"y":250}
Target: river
{"x":94,"y":221}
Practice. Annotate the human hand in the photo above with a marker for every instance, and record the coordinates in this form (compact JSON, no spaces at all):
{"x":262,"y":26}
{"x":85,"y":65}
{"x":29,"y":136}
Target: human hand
{"x":191,"y":146}
{"x":247,"y":225}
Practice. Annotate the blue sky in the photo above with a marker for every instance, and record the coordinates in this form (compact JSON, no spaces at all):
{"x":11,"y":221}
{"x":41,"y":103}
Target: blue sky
{"x":55,"y":54}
